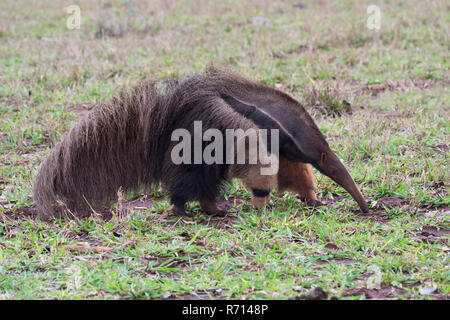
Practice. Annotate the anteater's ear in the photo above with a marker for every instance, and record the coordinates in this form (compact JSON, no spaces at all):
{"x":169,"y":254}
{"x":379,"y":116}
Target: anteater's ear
{"x":323,"y":158}
{"x":288,"y":145}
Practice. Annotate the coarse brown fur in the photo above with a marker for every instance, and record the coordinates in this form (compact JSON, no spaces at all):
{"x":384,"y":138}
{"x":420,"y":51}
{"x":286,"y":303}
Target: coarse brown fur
{"x":300,"y":139}
{"x":125,"y":143}
{"x":297,"y":177}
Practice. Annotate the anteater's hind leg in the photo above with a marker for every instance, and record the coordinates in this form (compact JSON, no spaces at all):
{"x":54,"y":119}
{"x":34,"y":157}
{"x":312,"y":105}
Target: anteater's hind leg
{"x":194,"y":182}
{"x":297,"y":177}
{"x":209,"y":205}
{"x":184,"y":187}
{"x":178,"y":203}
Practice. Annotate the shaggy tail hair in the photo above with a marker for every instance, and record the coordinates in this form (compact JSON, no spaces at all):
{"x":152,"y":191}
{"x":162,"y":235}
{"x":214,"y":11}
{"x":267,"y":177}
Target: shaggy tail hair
{"x":110,"y":148}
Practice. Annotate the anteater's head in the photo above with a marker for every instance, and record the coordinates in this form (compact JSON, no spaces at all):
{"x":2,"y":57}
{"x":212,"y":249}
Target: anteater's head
{"x":300,"y":139}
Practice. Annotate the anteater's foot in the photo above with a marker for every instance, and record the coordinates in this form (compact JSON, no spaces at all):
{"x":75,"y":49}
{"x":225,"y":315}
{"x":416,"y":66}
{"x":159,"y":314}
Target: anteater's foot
{"x":209,"y":206}
{"x":179,"y":211}
{"x":218,"y":213}
{"x":315,"y":203}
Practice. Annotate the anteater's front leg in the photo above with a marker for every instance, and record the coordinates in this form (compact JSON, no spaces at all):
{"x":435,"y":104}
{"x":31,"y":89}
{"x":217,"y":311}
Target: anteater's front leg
{"x":184,"y":187}
{"x":297,"y":177}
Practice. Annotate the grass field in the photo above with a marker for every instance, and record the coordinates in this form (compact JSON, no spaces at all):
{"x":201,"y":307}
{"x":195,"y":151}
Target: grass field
{"x":379,"y":96}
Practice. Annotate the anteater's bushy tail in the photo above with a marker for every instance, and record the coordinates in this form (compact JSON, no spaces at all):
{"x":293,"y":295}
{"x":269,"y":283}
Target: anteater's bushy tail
{"x":112,"y":147}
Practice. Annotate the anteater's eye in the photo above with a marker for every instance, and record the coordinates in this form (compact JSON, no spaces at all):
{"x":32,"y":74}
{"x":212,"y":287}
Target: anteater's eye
{"x":259,"y":193}
{"x":323,"y":158}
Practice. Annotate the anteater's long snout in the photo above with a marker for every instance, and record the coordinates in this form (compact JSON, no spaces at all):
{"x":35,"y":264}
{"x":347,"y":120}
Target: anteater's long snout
{"x":333,"y":168}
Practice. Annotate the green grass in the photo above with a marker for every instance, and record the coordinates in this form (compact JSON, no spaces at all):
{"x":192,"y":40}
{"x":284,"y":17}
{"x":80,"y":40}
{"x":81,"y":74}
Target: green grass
{"x":394,"y":141}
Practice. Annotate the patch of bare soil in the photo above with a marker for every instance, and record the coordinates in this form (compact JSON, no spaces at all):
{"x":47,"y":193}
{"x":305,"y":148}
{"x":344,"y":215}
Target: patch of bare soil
{"x":391,"y":202}
{"x":343,"y":261}
{"x":378,"y":212}
{"x":391,"y":115}
{"x":316,"y":294}
{"x":379,"y":216}
{"x":209,"y":294}
{"x":391,"y":292}
{"x":432,"y":234}
{"x":441,"y":148}
{"x":442,"y":212}
{"x":399,"y":86}
{"x":387,"y":292}
{"x":21,"y":213}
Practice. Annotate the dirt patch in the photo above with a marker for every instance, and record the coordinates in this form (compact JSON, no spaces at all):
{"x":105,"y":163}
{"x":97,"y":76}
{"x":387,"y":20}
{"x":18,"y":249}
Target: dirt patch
{"x":432,"y":234}
{"x":399,"y":86}
{"x":390,"y":202}
{"x":391,"y":115}
{"x":332,"y":247}
{"x":209,"y":294}
{"x":391,"y":292}
{"x":22,"y":213}
{"x":383,"y":293}
{"x":443,"y":212}
{"x":378,"y":212}
{"x":441,"y":148}
{"x":227,"y":204}
{"x":343,"y":261}
{"x":222,"y":223}
{"x":379,"y":216}
{"x":316,"y":294}
{"x":434,"y":231}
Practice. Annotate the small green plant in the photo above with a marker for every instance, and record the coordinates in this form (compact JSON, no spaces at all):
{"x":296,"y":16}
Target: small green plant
{"x":328,"y":99}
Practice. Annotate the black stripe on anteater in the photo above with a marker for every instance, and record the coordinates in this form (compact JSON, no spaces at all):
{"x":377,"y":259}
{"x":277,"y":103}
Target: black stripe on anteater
{"x":260,"y":193}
